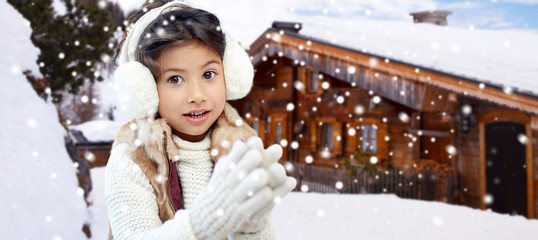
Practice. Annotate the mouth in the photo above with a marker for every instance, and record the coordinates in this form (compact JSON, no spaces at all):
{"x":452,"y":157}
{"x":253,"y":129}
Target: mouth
{"x":197,"y":114}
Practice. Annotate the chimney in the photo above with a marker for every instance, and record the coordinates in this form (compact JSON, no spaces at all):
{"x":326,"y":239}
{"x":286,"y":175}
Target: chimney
{"x":437,"y":17}
{"x":287,"y":26}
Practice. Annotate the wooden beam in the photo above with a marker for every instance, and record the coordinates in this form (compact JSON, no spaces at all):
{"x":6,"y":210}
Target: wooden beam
{"x":530,"y":173}
{"x":482,"y":137}
{"x":431,"y":133}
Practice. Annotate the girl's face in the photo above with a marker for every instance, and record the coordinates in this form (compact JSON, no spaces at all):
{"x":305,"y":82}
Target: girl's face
{"x":191,"y":89}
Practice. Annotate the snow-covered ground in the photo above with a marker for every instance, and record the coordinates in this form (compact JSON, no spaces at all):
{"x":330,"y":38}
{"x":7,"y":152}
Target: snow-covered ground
{"x":329,"y":216}
{"x":41,"y":199}
{"x":40,"y":194}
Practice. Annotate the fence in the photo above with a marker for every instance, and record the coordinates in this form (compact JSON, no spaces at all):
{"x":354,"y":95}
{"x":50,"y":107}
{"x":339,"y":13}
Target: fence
{"x":403,"y":183}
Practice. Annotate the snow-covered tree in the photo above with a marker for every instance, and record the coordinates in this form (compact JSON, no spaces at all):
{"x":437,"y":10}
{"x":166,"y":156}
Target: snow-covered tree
{"x":72,"y":44}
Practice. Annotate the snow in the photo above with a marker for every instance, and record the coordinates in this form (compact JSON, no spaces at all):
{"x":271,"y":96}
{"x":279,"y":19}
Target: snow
{"x":98,"y":216}
{"x":99,"y":130}
{"x":41,"y":198}
{"x":505,"y":58}
{"x":383,"y":216}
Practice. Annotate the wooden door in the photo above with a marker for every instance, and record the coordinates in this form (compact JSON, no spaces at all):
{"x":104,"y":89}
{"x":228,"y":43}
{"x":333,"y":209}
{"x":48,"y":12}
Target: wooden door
{"x":506,"y":177}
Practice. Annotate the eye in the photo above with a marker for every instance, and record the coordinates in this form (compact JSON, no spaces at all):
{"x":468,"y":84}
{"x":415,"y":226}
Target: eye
{"x":209,"y":75}
{"x":175,"y":79}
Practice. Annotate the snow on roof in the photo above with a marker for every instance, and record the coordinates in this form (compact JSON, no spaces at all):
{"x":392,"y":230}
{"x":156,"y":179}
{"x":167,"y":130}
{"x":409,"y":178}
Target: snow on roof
{"x":99,"y":130}
{"x":504,"y":58}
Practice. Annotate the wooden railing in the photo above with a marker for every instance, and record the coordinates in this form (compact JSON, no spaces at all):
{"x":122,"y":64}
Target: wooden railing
{"x":403,"y":183}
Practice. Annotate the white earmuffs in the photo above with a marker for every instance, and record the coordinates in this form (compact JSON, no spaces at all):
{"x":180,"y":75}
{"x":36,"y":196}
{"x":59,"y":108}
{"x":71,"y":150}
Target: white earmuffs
{"x":135,"y":85}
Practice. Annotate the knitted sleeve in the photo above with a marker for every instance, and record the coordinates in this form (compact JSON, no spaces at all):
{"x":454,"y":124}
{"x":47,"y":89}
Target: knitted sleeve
{"x":266,"y":233}
{"x":132,"y":205}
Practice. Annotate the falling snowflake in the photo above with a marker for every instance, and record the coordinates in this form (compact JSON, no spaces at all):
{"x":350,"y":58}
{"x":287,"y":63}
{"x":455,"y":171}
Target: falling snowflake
{"x":160,"y":31}
{"x":31,"y":122}
{"x":84,"y":99}
{"x":466,"y":109}
{"x":320,"y":213}
{"x":304,"y":188}
{"x":437,"y":221}
{"x":522,"y":138}
{"x":220,"y":212}
{"x":298,"y":85}
{"x":309,"y":159}
{"x":105,"y":58}
{"x":451,"y":150}
{"x":339,"y":185}
{"x":289,"y":167}
{"x":294,"y":145}
{"x":376,"y":99}
{"x":225,"y":144}
{"x":488,"y":199}
{"x":238,"y":122}
{"x":325,"y":153}
{"x":340,"y":99}
{"x":80,"y":191}
{"x":403,"y":117}
{"x":373,"y":160}
{"x":359,"y":110}
{"x":284,"y":142}
{"x":102,"y":4}
{"x":325,"y":85}
{"x":373,"y":62}
{"x":351,"y":70}
{"x":290,"y":107}
{"x":89,"y":156}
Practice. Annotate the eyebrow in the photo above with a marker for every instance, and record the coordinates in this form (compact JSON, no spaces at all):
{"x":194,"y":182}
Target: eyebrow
{"x":183,"y":70}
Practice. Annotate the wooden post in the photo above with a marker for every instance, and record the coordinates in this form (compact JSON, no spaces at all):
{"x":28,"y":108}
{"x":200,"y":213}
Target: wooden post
{"x":482,"y":136}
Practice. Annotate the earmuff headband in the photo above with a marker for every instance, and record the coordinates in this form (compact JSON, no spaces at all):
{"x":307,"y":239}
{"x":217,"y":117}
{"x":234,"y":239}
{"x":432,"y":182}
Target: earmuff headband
{"x":135,"y":86}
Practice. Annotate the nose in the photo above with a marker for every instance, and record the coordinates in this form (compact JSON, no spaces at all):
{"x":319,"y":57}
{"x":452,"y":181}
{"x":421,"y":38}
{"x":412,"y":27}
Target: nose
{"x":196,"y":92}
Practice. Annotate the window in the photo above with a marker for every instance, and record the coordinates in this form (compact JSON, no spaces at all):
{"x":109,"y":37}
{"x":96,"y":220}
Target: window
{"x":268,"y":127}
{"x":367,"y":135}
{"x":255,"y":126}
{"x":314,"y":81}
{"x":326,"y":136}
{"x":369,"y":138}
{"x":278,"y":133}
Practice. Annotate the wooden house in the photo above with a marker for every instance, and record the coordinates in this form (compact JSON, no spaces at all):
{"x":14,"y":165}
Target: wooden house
{"x":96,"y":153}
{"x":327,"y":103}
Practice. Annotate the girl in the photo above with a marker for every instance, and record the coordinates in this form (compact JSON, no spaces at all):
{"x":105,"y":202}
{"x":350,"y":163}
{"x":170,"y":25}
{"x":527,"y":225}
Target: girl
{"x":177,"y":69}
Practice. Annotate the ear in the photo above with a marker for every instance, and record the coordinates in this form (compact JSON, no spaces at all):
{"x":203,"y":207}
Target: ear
{"x":136,"y":90}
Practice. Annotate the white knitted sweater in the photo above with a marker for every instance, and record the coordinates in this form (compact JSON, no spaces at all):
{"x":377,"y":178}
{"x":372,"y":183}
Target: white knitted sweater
{"x":132,"y":204}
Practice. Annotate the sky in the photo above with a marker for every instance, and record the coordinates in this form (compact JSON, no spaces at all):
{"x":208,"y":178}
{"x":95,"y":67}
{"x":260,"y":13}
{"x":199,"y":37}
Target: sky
{"x":487,"y":14}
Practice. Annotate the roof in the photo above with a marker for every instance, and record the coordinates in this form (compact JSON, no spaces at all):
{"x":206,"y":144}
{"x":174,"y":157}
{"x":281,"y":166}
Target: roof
{"x":505,"y":58}
{"x":499,"y":59}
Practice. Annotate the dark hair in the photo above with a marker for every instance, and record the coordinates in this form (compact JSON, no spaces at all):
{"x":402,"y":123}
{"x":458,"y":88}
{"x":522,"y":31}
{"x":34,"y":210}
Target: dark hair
{"x":173,"y":28}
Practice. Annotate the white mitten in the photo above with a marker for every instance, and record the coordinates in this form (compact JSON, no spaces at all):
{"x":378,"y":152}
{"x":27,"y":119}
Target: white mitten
{"x":237,"y":189}
{"x":278,"y":181}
